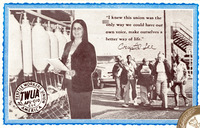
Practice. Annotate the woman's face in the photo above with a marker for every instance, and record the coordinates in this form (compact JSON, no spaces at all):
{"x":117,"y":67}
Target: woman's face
{"x":77,"y":30}
{"x":160,"y":59}
{"x":129,"y":58}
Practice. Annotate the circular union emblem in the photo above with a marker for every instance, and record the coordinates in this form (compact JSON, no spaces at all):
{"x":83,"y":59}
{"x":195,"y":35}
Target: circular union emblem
{"x":190,"y":118}
{"x":30,"y":97}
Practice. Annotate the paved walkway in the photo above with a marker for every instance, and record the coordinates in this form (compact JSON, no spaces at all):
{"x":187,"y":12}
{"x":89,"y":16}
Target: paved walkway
{"x":104,"y":106}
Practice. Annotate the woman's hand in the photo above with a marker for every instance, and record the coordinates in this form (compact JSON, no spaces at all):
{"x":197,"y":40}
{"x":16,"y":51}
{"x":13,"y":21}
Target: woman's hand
{"x":71,"y":73}
{"x":184,"y":82}
{"x":51,"y":68}
{"x":123,"y":85}
{"x":170,"y":84}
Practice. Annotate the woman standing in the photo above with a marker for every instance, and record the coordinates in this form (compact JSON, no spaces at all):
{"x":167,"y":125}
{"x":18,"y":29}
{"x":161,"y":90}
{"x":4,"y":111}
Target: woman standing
{"x":116,"y":71}
{"x":162,"y":75}
{"x":145,"y":81}
{"x":180,"y":76}
{"x":129,"y":74}
{"x":132,"y":77}
{"x":80,"y":57}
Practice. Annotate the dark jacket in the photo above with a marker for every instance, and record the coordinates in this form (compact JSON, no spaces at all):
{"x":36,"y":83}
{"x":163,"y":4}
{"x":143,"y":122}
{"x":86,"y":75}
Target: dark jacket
{"x":116,"y":69}
{"x":167,"y":70}
{"x":124,"y":76}
{"x":83,"y":61}
{"x":145,"y":80}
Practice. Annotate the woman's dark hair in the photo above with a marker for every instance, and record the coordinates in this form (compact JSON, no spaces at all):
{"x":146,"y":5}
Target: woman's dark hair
{"x":127,"y":56}
{"x":85,"y":34}
{"x":144,"y":60}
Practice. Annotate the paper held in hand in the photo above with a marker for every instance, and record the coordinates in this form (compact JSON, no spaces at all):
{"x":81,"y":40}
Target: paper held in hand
{"x":57,"y":64}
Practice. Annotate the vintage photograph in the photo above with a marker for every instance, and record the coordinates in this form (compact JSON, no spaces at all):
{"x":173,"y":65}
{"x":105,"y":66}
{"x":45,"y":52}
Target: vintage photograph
{"x":100,"y":63}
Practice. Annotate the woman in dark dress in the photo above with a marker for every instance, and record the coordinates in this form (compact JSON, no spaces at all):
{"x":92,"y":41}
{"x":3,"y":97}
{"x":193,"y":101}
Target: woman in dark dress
{"x":80,"y":58}
{"x":145,"y":81}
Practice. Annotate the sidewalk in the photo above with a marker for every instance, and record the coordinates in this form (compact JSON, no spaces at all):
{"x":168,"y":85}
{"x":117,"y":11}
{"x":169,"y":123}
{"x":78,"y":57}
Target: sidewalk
{"x":104,"y":106}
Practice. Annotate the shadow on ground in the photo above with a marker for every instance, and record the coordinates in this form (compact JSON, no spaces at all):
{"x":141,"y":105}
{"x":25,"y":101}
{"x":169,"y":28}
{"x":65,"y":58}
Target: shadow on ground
{"x":104,"y":106}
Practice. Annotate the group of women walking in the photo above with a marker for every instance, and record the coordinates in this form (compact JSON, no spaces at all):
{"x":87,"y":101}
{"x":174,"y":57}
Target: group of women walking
{"x":148,"y":75}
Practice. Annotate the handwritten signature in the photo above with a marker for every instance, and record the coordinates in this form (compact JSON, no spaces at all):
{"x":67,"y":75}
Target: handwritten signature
{"x":136,"y":46}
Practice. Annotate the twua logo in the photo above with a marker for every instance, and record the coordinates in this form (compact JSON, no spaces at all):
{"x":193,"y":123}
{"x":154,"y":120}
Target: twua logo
{"x":30,"y":97}
{"x":32,"y":94}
